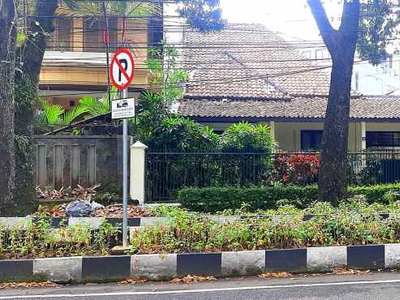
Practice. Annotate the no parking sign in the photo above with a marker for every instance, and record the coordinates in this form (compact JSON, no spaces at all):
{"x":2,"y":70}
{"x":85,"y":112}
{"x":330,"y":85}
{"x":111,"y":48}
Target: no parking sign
{"x":122,"y":69}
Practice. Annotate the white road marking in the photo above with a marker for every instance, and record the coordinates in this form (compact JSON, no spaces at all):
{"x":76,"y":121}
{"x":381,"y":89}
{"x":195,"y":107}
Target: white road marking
{"x":247,"y":288}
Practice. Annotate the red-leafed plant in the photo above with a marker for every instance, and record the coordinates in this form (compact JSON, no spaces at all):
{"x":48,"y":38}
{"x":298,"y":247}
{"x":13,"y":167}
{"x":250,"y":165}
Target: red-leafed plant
{"x":300,"y":169}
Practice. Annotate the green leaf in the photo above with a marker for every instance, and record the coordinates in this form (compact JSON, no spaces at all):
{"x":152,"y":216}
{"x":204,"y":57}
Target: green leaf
{"x":52,"y":112}
{"x":69,"y":116}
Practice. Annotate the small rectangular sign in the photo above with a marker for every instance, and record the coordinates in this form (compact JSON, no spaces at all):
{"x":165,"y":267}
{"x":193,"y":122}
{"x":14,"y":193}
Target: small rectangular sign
{"x":123,"y":108}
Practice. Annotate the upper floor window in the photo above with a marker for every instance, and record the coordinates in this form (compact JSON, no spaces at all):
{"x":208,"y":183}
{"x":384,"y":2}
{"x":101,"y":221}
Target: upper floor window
{"x":61,"y":38}
{"x":155,"y":33}
{"x":94,"y":34}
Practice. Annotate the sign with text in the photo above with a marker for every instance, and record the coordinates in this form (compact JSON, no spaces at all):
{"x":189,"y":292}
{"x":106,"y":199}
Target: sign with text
{"x":123,"y":108}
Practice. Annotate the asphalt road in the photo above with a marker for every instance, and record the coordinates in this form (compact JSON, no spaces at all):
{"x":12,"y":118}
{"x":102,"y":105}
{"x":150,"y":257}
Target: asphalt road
{"x":372,"y":286}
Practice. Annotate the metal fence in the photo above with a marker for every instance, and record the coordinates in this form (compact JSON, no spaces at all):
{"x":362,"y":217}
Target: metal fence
{"x":168,"y":172}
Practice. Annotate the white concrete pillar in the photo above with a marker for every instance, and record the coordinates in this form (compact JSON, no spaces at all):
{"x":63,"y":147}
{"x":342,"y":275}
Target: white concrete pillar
{"x":138,"y":175}
{"x":363,"y":136}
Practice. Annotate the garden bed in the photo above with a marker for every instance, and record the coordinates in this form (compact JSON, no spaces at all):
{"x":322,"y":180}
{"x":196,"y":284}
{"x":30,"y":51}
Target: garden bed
{"x":354,"y":222}
{"x":110,"y":211}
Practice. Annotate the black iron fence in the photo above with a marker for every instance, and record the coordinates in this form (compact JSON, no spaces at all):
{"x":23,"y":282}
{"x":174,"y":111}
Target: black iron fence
{"x":168,"y":172}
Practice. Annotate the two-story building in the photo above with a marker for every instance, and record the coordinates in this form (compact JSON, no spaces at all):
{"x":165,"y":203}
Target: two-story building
{"x":75,"y":62}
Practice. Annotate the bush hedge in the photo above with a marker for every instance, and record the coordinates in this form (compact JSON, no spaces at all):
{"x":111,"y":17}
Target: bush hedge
{"x":216,"y":199}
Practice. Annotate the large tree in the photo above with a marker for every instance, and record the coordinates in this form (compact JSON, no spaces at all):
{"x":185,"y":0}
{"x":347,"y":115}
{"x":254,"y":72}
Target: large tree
{"x":8,"y":34}
{"x":28,"y":65}
{"x":371,"y":23}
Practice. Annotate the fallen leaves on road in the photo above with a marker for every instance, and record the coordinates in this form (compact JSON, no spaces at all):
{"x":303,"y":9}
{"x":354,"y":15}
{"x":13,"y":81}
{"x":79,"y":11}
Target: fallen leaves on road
{"x":133,"y":281}
{"x":350,"y":272}
{"x":275,"y":275}
{"x":192,"y":279}
{"x":28,"y":285}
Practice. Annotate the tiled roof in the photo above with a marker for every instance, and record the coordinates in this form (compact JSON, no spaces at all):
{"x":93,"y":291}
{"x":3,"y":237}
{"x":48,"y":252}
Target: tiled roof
{"x":247,"y":71}
{"x":247,"y":60}
{"x":372,"y":107}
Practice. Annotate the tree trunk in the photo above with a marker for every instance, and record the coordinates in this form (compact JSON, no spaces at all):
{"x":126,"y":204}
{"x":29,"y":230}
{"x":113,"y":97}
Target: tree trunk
{"x":333,"y":175}
{"x":8,"y":34}
{"x":341,"y":43}
{"x":30,"y":57}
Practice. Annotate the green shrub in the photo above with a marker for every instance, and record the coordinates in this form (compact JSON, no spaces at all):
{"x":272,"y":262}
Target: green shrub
{"x":245,"y":136}
{"x":354,"y":222}
{"x":216,"y":199}
{"x":374,"y":193}
{"x":31,"y":239}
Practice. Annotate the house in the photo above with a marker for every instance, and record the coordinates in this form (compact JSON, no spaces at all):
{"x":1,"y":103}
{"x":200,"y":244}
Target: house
{"x":248,"y":73}
{"x":75,"y":62}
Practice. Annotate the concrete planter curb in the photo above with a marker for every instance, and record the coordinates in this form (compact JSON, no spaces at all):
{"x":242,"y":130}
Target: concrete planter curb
{"x":167,"y":266}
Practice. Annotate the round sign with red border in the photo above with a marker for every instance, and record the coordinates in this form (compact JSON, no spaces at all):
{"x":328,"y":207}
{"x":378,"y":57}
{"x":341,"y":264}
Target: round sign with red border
{"x":122,"y":69}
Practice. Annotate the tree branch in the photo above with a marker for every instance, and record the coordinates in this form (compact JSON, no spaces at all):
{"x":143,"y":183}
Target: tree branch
{"x":32,"y":52}
{"x":350,"y":18}
{"x":322,"y":20}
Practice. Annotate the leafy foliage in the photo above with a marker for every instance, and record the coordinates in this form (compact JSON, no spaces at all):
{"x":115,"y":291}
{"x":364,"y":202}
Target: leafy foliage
{"x":37,"y":239}
{"x":353,"y":223}
{"x":245,"y":136}
{"x":119,"y":8}
{"x":156,"y":124}
{"x":182,"y":134}
{"x":301,"y":169}
{"x":54,"y":115}
{"x":204,"y":15}
{"x":378,"y":27}
{"x":218,"y":199}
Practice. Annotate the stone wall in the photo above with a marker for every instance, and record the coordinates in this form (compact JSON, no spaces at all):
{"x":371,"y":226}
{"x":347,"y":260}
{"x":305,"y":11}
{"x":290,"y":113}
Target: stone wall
{"x":63,"y":161}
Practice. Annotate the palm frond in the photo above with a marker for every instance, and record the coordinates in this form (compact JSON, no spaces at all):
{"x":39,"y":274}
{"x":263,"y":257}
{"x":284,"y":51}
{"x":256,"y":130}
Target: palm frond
{"x":95,"y":106}
{"x":76,"y":8}
{"x":69,"y":116}
{"x":51,"y":111}
{"x":114,"y":8}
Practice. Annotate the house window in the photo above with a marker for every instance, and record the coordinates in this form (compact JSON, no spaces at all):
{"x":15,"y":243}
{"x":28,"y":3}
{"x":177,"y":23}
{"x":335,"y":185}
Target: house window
{"x":155,"y":33}
{"x":61,"y":38}
{"x":311,"y":140}
{"x":383,"y":139}
{"x":93,"y":34}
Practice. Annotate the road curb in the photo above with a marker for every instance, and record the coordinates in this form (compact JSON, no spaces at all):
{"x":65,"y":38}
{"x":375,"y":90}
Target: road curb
{"x":225,"y":264}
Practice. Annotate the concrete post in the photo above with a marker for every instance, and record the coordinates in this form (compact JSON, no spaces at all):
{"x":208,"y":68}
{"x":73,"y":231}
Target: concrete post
{"x":272,"y":126}
{"x":363,"y":136}
{"x":138,"y":168}
{"x":363,"y":144}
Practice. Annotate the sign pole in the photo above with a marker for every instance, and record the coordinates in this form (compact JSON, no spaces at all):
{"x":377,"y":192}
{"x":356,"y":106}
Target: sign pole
{"x":122,"y":72}
{"x":125,"y":176}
